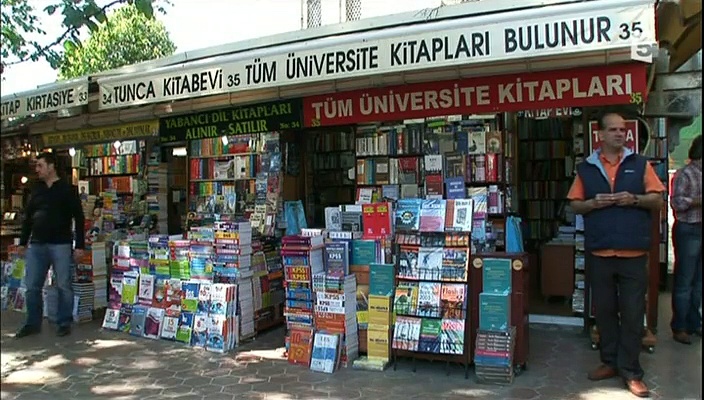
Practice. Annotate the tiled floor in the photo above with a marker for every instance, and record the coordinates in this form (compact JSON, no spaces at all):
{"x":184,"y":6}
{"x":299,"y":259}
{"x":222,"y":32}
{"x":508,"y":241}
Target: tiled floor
{"x":94,"y":364}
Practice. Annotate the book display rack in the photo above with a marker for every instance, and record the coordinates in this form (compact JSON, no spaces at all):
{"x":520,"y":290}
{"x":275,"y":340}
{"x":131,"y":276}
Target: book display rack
{"x":430,"y":301}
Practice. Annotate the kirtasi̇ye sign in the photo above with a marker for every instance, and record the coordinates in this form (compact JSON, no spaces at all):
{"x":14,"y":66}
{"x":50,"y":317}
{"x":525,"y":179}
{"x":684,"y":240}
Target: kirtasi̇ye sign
{"x":513,"y":35}
{"x":584,"y":87}
{"x":105,"y":134}
{"x":258,"y":118}
{"x":43,"y":100}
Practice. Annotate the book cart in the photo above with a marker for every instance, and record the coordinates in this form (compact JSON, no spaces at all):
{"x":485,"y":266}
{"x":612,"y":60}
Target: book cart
{"x":430,"y":304}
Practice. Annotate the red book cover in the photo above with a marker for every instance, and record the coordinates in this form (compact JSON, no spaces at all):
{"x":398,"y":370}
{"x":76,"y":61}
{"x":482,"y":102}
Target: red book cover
{"x":300,"y":346}
{"x":493,"y":167}
{"x":434,"y":185}
{"x":376,"y":220}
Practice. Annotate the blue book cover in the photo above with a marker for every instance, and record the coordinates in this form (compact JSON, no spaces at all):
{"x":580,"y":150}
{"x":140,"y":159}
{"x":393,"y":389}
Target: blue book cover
{"x":382,"y":279}
{"x":408,"y":215}
{"x":454,"y":188}
{"x":337,"y":257}
{"x":496,"y":275}
{"x":494,"y":311}
{"x":363,"y":252}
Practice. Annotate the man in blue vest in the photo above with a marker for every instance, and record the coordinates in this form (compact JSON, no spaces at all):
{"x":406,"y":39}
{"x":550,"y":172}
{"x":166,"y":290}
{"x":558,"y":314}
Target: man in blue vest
{"x":616,"y":191}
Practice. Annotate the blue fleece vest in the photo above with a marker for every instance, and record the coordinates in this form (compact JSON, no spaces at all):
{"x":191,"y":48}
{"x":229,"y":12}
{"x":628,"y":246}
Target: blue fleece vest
{"x":615,"y":227}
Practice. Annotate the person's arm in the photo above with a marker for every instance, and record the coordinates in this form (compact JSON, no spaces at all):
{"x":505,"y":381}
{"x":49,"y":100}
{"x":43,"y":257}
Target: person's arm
{"x":27,"y":221}
{"x":654,"y":189}
{"x":680,"y":190}
{"x":78,"y":218}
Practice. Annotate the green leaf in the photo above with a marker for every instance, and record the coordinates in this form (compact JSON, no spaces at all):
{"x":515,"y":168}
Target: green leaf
{"x":145,"y":7}
{"x":69,"y":46}
{"x":50,"y":9}
{"x":91,"y":25}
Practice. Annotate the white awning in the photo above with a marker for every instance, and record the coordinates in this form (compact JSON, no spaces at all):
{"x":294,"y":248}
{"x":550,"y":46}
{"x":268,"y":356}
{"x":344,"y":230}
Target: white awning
{"x":48,"y":98}
{"x":555,"y":31}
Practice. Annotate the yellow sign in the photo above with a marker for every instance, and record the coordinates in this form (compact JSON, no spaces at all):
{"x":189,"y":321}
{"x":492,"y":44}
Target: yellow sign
{"x":104,"y":134}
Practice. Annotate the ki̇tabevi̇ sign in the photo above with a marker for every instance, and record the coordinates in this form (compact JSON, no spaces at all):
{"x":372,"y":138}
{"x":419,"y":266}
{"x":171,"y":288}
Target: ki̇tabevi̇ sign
{"x":616,"y":26}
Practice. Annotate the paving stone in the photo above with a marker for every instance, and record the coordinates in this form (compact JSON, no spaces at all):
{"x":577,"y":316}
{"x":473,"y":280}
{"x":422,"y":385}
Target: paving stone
{"x":92,"y":363}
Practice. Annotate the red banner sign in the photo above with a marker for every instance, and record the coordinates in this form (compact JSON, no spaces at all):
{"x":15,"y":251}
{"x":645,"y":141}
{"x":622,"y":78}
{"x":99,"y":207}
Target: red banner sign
{"x":631,"y":135}
{"x":583,"y":87}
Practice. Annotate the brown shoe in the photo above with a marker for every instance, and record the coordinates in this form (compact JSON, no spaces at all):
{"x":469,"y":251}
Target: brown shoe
{"x":602,"y":372}
{"x":682,"y":337}
{"x":638,"y":388}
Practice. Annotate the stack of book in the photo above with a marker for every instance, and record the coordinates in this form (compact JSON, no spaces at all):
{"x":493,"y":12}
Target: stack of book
{"x":179,"y":259}
{"x":159,"y":255}
{"x":380,"y":326}
{"x":335,"y":313}
{"x":233,"y":264}
{"x":495,"y":322}
{"x":302,"y":258}
{"x":493,"y":358}
{"x":100,"y":275}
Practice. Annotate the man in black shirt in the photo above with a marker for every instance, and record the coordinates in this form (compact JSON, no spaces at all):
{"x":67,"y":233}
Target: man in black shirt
{"x":52,"y":206}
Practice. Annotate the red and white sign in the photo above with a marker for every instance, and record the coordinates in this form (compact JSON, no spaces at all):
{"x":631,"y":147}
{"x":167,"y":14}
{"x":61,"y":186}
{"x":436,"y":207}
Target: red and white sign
{"x":582,"y":87}
{"x":631,"y":136}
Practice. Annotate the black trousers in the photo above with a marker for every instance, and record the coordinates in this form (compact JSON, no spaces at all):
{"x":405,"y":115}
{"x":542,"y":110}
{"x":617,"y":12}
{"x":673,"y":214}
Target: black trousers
{"x":619,"y":286}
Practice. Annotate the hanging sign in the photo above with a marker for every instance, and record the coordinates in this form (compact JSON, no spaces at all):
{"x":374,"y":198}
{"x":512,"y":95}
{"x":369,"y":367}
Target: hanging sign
{"x":43,"y":100}
{"x":135,"y":130}
{"x":516,"y":35}
{"x":258,"y":118}
{"x":584,"y":87}
{"x":631,"y":136}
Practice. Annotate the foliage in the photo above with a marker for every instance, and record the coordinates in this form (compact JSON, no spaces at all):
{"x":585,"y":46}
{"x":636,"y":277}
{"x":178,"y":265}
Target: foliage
{"x":128,"y":37}
{"x":22,"y":37}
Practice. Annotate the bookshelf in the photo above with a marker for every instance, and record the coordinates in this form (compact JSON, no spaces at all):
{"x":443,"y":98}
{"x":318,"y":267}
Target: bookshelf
{"x":331,"y":157}
{"x":545,"y":150}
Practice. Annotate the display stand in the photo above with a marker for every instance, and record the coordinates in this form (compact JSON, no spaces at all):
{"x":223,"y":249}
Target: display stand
{"x":433,"y":265}
{"x":520,"y":281}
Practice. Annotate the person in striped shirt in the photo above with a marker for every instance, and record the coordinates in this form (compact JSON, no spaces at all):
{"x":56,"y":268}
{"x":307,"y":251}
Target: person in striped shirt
{"x":686,"y":203}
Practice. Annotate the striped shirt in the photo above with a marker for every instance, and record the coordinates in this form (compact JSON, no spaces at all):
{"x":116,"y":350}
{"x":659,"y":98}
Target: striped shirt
{"x":687,"y":186}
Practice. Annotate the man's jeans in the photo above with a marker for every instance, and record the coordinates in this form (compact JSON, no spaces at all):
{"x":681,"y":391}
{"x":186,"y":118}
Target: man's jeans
{"x":39,"y":257}
{"x":687,"y":290}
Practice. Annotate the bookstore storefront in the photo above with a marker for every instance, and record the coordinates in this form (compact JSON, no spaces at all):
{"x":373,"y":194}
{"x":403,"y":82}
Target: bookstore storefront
{"x":404,"y":143}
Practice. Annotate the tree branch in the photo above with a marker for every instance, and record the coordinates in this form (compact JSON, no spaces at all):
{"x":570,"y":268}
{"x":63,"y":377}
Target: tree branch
{"x":44,"y":50}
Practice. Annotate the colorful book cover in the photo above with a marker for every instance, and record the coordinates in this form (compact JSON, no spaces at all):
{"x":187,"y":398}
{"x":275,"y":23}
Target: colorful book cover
{"x":111,"y":319}
{"x":455,"y":188}
{"x":494,"y":311}
{"x":452,"y":336}
{"x":326,"y":352}
{"x":408,"y":262}
{"x":125,"y":318}
{"x":429,"y":299}
{"x":139,"y":316}
{"x":152,"y":324}
{"x":432,"y":215}
{"x":430,"y":330}
{"x":454,"y":264}
{"x":300,"y":346}
{"x":185,"y":327}
{"x":130,"y":283}
{"x":337,"y":257}
{"x":406,"y":298}
{"x":406,"y":333}
{"x":189,"y":299}
{"x":169,"y":328}
{"x":146,"y":289}
{"x":430,"y":263}
{"x":453,"y":300}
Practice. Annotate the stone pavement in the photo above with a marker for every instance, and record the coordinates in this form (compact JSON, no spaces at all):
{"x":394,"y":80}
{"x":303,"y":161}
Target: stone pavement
{"x":94,"y":364}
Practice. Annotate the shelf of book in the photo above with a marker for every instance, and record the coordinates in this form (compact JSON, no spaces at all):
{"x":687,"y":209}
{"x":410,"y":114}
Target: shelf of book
{"x":545,"y":148}
{"x":330,"y":157}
